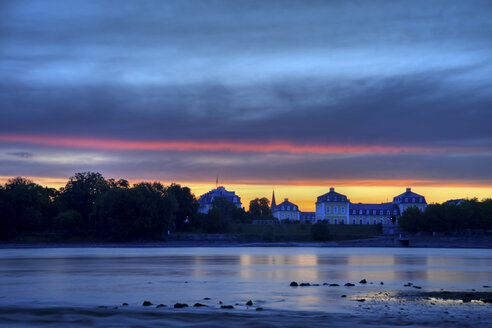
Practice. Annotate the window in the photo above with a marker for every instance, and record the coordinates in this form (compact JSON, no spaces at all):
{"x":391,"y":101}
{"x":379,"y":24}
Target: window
{"x":353,"y":221}
{"x":375,"y":221}
{"x":328,"y":209}
{"x":294,"y":216}
{"x":381,"y":212}
{"x":342,"y":209}
{"x":374,"y":212}
{"x":335,"y":209}
{"x":342,"y":221}
{"x":360,"y":211}
{"x":368,"y":221}
{"x":327,"y":220}
{"x":421,"y":200}
{"x":283,"y":216}
{"x":360,"y":221}
{"x":413,"y":200}
{"x":354,"y":212}
{"x":288,"y":208}
{"x":335,"y":221}
{"x":406,"y":200}
{"x":295,"y":208}
{"x":288,"y":216}
{"x":283,"y":208}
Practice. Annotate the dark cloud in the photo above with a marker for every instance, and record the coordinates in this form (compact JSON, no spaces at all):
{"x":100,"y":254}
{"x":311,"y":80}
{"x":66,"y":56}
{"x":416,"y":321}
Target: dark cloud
{"x":330,"y":72}
{"x":418,"y":110}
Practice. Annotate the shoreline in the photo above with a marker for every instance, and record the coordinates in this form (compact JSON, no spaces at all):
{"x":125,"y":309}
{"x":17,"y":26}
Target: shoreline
{"x":484,"y":242}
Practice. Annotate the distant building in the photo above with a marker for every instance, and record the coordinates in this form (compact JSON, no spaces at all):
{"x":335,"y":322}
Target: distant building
{"x":410,"y":199}
{"x":454,"y":201}
{"x":285,"y":210}
{"x":335,"y":208}
{"x":332,"y":207}
{"x":205,"y":201}
{"x":308,"y":217}
{"x":373,"y":213}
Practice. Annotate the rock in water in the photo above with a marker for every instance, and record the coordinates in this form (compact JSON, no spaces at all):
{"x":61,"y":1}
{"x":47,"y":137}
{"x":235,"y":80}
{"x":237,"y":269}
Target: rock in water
{"x":334,"y":285}
{"x":230,"y":307}
{"x":199,"y":305}
{"x":206,"y":298}
{"x":124,"y":304}
{"x":363,"y":281}
{"x":259,"y":309}
{"x":361,"y":300}
{"x":348,"y":284}
{"x":294,"y":284}
{"x":160,"y":305}
{"x":180,"y":305}
{"x":304,"y":284}
{"x":381,"y":283}
{"x":249,"y":303}
{"x":146,"y":303}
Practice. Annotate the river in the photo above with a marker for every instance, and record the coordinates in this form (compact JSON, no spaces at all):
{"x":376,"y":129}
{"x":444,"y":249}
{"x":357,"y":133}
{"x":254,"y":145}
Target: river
{"x":80,"y":287}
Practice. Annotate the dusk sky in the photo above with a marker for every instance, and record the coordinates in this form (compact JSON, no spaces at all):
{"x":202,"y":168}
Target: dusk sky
{"x":369,"y":97}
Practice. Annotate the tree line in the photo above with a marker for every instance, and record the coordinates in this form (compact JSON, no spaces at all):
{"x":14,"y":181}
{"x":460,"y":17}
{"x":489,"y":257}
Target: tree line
{"x":470,"y":214}
{"x":92,"y":206}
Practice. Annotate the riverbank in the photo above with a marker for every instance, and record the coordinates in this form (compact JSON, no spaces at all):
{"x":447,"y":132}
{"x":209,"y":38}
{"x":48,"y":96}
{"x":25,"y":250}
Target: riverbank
{"x":219,"y":240}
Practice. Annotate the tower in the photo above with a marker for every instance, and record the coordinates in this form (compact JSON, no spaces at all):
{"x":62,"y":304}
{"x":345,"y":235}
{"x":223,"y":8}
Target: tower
{"x":273,"y":200}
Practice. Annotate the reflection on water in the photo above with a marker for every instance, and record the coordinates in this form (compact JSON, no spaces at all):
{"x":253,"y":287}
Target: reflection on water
{"x":85,"y":276}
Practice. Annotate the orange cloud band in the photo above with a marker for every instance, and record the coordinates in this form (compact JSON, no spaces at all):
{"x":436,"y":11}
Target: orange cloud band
{"x":282,"y":146}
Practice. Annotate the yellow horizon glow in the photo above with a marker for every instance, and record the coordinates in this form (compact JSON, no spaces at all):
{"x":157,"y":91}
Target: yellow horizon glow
{"x":369,"y":191}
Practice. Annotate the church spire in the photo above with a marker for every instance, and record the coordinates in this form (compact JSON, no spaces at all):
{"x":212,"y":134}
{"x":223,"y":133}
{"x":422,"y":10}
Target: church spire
{"x":273,"y":200}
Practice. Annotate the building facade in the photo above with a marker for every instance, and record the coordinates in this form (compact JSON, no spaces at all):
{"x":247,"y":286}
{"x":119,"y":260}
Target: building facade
{"x":335,"y":208}
{"x":206,"y":200}
{"x":286,"y":211}
{"x":332,"y":207}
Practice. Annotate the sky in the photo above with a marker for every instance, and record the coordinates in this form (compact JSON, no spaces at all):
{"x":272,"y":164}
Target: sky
{"x":369,"y":97}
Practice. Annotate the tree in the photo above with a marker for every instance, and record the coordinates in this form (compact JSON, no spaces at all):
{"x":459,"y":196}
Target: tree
{"x":142,"y":212}
{"x":213,"y":221}
{"x":82,"y":191}
{"x":25,"y":205}
{"x":259,"y":208}
{"x":230,"y":211}
{"x":412,"y":220}
{"x":187,"y":205}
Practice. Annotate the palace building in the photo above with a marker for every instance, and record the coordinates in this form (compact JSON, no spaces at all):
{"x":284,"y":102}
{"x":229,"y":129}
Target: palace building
{"x":335,"y":208}
{"x":206,"y":200}
{"x":285,"y":210}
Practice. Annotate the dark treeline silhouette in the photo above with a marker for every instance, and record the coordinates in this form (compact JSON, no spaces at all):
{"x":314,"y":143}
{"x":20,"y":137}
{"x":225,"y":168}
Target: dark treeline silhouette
{"x":470,"y":214}
{"x":91,"y":206}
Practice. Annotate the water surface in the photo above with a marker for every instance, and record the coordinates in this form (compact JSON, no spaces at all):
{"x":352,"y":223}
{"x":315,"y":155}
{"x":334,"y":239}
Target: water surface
{"x":86,"y":278}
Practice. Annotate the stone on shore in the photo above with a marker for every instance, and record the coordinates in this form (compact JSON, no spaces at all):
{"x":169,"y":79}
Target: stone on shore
{"x":180,"y":305}
{"x":363,"y":281}
{"x":147,"y":303}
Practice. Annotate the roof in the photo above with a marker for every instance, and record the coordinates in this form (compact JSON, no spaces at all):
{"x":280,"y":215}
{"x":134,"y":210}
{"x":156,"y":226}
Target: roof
{"x":286,"y":203}
{"x":332,"y":196}
{"x":208,"y":197}
{"x":409,"y":197}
